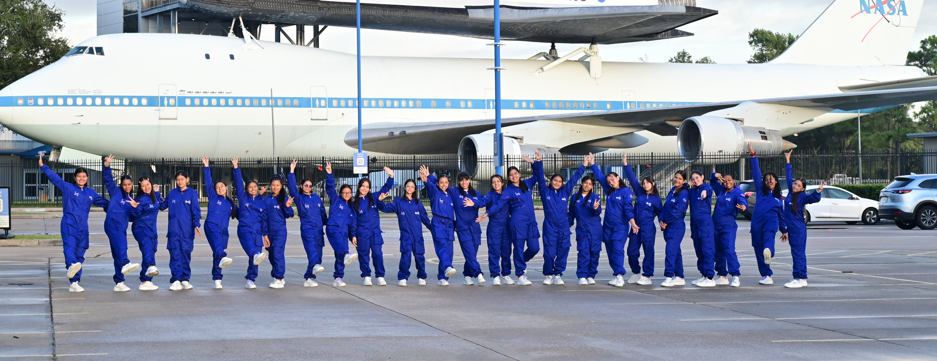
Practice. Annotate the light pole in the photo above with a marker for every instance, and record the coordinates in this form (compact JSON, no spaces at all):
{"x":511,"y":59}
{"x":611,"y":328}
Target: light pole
{"x":858,"y":112}
{"x":499,"y":138}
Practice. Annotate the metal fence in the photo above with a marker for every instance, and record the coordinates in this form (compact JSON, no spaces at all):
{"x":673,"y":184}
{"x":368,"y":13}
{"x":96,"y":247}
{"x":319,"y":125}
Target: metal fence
{"x":29,"y":187}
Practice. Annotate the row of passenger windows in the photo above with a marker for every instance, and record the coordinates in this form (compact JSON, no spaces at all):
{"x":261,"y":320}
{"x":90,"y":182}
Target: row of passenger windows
{"x":82,"y":101}
{"x":239,"y":102}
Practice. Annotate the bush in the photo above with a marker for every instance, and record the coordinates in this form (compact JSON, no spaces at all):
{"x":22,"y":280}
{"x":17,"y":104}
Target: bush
{"x":870,"y":191}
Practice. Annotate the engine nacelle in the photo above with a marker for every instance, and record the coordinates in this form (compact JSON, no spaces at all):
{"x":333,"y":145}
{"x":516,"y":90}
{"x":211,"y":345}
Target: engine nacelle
{"x":477,"y":151}
{"x":714,"y":140}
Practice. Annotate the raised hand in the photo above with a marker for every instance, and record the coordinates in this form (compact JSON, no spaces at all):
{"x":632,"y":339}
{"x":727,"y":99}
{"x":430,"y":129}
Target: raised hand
{"x":156,"y":188}
{"x":289,"y":202}
{"x":750,"y":149}
{"x":389,"y":171}
{"x":133,"y":203}
{"x":293,"y":166}
{"x":234,"y":162}
{"x":741,"y":206}
{"x":468,"y":202}
{"x":40,"y":158}
{"x":262,"y":191}
{"x":527,"y":159}
{"x":624,"y":158}
{"x":538,"y":155}
{"x":596,"y":205}
{"x":591,"y":158}
{"x":788,"y":156}
{"x":719,"y":177}
{"x":328,"y":167}
{"x":205,"y":161}
{"x":820,"y":189}
{"x":382,"y":196}
{"x":585,"y":161}
{"x":107,"y":161}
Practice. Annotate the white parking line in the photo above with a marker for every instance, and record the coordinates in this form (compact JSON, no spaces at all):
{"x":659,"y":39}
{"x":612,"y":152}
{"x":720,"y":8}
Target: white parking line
{"x":860,"y":339}
{"x":780,"y":301}
{"x":59,"y":355}
{"x":804,"y":318}
{"x":43,"y":314}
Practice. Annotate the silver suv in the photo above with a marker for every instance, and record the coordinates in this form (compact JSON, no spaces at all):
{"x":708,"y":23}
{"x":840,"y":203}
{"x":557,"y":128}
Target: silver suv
{"x":911,"y":200}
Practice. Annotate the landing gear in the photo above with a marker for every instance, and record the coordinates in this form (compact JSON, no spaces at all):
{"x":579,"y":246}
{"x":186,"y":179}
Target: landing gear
{"x":591,"y":54}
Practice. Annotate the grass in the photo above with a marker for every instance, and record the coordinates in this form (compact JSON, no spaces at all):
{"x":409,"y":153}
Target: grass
{"x":38,"y":236}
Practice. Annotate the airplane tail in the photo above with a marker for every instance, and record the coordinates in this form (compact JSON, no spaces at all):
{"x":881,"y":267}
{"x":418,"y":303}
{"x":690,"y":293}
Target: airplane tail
{"x":857,"y":33}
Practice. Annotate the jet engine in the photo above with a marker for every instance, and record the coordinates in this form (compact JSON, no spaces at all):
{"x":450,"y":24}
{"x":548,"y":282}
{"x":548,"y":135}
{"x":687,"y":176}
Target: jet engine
{"x":715,"y":140}
{"x":476,"y":153}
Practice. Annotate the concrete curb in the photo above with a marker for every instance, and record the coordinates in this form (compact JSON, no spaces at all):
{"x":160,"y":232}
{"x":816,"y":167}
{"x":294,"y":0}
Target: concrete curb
{"x":33,"y":216}
{"x":30,"y":242}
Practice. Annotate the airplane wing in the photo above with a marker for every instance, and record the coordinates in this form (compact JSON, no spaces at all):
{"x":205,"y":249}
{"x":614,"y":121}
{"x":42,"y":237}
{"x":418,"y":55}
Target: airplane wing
{"x":444,"y":137}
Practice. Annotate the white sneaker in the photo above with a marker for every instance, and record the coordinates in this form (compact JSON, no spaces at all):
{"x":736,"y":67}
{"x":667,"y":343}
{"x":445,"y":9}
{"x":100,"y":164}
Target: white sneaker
{"x":310,"y":283}
{"x":130,"y":267}
{"x":283,"y":282}
{"x":443,"y":282}
{"x":766,"y":280}
{"x":148,"y":286}
{"x":721,"y":281}
{"x":634,"y":279}
{"x":381,"y":281}
{"x":583,"y":282}
{"x":121,"y":287}
{"x":351,"y":257}
{"x":73,"y":270}
{"x":548,"y":281}
{"x":421,"y":282}
{"x":259,"y":258}
{"x":706,"y":283}
{"x":225,"y":262}
{"x":735,"y":282}
{"x":508,"y":280}
{"x":496,"y":281}
{"x":480,"y":279}
{"x":668,"y":282}
{"x":679,"y":281}
{"x":218,"y":284}
{"x":468,"y":281}
{"x":74,"y":288}
{"x":276,"y":284}
{"x":367,"y":281}
{"x":186,"y":285}
{"x":794,"y":283}
{"x":151,"y":271}
{"x":803,"y":282}
{"x":523,"y":281}
{"x":591,"y":280}
{"x":558,"y":280}
{"x":698,"y":280}
{"x":767,"y":254}
{"x":449,"y":271}
{"x":338,"y":282}
{"x":175,"y":286}
{"x":620,"y":281}
{"x":644,"y":281}
{"x":250,"y":285}
{"x":402,"y":283}
{"x":317,"y":269}
{"x":612,"y":281}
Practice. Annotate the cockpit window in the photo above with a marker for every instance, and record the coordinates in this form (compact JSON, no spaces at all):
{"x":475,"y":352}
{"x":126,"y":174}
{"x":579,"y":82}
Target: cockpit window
{"x":99,"y":50}
{"x":77,"y":50}
{"x":88,"y":50}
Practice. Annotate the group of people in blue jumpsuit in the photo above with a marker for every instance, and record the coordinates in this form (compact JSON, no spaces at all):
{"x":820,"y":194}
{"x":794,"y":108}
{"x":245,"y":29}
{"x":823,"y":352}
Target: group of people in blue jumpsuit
{"x":627,"y":227}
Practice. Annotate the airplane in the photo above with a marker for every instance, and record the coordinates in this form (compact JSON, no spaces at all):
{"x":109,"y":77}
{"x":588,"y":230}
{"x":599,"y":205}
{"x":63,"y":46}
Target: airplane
{"x":165,"y":95}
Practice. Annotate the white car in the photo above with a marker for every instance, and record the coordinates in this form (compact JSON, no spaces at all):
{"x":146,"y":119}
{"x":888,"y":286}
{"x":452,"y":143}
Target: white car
{"x":840,"y":205}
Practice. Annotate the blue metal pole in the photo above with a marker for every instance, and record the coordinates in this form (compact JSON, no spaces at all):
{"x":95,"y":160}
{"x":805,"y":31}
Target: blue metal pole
{"x":499,"y":138}
{"x":358,"y":16}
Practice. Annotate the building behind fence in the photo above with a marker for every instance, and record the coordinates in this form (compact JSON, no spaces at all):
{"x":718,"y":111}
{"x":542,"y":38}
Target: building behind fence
{"x":29,"y":187}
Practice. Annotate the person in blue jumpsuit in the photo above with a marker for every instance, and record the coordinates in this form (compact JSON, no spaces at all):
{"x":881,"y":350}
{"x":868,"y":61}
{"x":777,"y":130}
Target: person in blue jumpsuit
{"x":411,"y":216}
{"x":116,"y":222}
{"x":556,"y":244}
{"x":498,"y":238}
{"x":77,"y":199}
{"x":586,"y":209}
{"x":221,"y":210}
{"x":144,"y":229}
{"x":370,"y":242}
{"x":312,"y":218}
{"x":766,"y":218}
{"x":729,"y":200}
{"x":342,"y":225}
{"x":701,"y":229}
{"x":794,"y":205}
{"x":522,"y":224}
{"x":467,"y":201}
{"x":443,"y":222}
{"x":619,"y":218}
{"x":647,"y":206}
{"x":674,"y":227}
{"x":278,"y":207}
{"x":185,"y":216}
{"x":252,"y":223}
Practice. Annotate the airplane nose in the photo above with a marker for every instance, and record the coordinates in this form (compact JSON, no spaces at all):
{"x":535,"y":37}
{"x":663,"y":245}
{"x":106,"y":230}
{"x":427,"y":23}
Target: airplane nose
{"x":6,"y":106}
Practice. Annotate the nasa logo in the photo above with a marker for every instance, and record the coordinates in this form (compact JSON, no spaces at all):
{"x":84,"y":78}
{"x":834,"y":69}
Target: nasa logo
{"x":883,"y":7}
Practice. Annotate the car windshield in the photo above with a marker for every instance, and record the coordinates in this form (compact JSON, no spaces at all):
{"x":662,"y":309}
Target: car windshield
{"x":900,"y":182}
{"x":745,"y":186}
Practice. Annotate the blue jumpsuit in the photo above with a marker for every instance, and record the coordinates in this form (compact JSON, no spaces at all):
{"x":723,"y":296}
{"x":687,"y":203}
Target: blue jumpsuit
{"x":370,"y":242}
{"x":216,"y":224}
{"x":766,"y":219}
{"x":277,"y":213}
{"x":588,"y":234}
{"x":312,"y":218}
{"x":618,"y":214}
{"x":116,"y":223}
{"x":76,"y":203}
{"x":646,"y":208}
{"x":796,"y":227}
{"x":673,"y":214}
{"x":499,"y":241}
{"x":556,"y":225}
{"x":467,"y":230}
{"x":184,"y":217}
{"x":727,"y":262}
{"x":443,"y":225}
{"x":522,"y":224}
{"x":340,"y":227}
{"x":252,"y":223}
{"x":411,"y":216}
{"x":144,"y":229}
{"x":701,"y":229}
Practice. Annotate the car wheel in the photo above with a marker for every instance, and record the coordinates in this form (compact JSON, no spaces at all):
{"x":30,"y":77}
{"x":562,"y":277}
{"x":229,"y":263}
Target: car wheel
{"x":905,"y":224}
{"x":870,"y":216}
{"x":806,"y":217}
{"x":926,"y":217}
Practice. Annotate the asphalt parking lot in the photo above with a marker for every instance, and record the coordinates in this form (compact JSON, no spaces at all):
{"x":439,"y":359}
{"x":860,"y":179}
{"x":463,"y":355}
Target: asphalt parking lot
{"x":872,"y":296}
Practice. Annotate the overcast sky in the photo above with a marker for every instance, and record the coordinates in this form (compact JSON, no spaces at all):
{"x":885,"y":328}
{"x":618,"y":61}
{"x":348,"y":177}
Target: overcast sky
{"x":723,"y":37}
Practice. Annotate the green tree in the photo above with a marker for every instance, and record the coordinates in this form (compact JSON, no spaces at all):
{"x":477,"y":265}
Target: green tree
{"x":705,"y":60}
{"x":684,"y":57}
{"x":28,"y":39}
{"x":768,"y":44}
{"x":926,"y":59}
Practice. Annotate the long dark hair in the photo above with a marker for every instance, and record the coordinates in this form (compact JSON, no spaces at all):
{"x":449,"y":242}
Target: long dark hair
{"x":248,"y":185}
{"x":140,"y":191}
{"x":493,"y":181}
{"x":650,"y":180}
{"x":520,"y":183}
{"x":121,"y":186}
{"x":342,"y":189}
{"x":416,"y":192}
{"x":795,"y":195}
{"x":776,"y":193}
{"x":78,"y":171}
{"x":621,"y":182}
{"x":572,"y":205}
{"x":463,"y":176}
{"x":303,"y":182}
{"x":358,"y":193}
{"x":281,"y":196}
{"x":682,"y":175}
{"x":552,"y":177}
{"x":234,"y":207}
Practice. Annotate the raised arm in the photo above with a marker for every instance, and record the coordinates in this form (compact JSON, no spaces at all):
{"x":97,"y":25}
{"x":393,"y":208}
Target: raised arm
{"x":636,"y":186}
{"x":389,"y":183}
{"x":57,"y":181}
{"x":238,"y":180}
{"x":537,"y":177}
{"x":161,"y":202}
{"x":715,"y":181}
{"x":291,"y":184}
{"x":389,"y":207}
{"x":209,"y":184}
{"x":571,"y":183}
{"x":330,"y":188}
{"x":813,"y":197}
{"x":756,"y":175}
{"x":600,"y":177}
{"x":789,"y":172}
{"x":112,"y":189}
